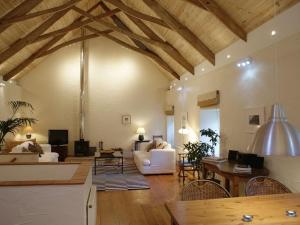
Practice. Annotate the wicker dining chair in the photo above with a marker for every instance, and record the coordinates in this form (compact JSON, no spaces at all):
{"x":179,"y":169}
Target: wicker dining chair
{"x":262,"y":185}
{"x":203,"y":189}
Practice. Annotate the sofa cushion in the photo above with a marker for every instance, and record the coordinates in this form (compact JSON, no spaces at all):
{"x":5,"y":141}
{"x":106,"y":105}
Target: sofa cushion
{"x":19,"y":148}
{"x":9,"y":145}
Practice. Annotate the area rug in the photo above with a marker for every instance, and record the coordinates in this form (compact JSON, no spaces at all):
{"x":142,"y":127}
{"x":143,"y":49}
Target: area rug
{"x":110,"y":178}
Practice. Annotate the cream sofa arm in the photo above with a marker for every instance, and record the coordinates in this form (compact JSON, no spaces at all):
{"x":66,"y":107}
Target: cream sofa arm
{"x":46,"y":147}
{"x":166,"y":158}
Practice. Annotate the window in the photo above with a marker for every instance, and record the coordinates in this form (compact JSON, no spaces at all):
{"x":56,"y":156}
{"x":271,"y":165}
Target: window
{"x":210,"y":118}
{"x":170,"y":130}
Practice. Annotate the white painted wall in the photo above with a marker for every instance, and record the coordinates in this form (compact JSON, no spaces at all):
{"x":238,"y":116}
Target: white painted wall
{"x":120,"y":82}
{"x":242,"y":88}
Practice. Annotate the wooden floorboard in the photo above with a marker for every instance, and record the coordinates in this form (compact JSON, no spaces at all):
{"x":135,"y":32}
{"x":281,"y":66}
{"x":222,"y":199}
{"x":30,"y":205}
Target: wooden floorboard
{"x":139,"y":207}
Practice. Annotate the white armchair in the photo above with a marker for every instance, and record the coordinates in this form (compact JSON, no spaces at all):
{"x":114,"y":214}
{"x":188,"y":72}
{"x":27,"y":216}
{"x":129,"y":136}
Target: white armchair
{"x":48,"y":156}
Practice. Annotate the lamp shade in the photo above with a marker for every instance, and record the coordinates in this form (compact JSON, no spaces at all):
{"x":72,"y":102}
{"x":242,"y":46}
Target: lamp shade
{"x":28,"y":129}
{"x":140,"y":130}
{"x":183,"y":130}
{"x":277,"y":137}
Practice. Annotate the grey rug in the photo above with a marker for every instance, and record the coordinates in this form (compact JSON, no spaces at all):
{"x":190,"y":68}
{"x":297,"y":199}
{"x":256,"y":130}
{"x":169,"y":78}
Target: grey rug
{"x":110,"y":178}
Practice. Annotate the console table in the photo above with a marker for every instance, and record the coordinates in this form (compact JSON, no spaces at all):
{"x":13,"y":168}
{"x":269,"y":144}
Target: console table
{"x":136,"y":144}
{"x":225,"y":169}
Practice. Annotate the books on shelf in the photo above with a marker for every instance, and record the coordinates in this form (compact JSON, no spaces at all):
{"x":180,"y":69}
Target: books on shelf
{"x":213,"y":159}
{"x":238,"y":168}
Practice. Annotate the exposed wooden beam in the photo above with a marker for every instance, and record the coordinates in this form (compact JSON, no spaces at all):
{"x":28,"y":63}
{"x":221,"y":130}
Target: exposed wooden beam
{"x":29,"y":60}
{"x":196,"y":3}
{"x":20,"y":10}
{"x":126,"y":9}
{"x":76,"y":25}
{"x":73,"y":41}
{"x":150,"y":54}
{"x":38,"y":13}
{"x":170,"y":50}
{"x":122,"y":30}
{"x":141,"y":45}
{"x":186,"y":33}
{"x":29,"y":38}
{"x":216,"y":10}
{"x":40,"y":51}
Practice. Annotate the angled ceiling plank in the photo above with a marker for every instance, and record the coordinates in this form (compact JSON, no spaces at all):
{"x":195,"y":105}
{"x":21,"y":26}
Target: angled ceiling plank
{"x":40,"y":51}
{"x":38,"y":13}
{"x":20,"y":10}
{"x":122,"y":30}
{"x":216,"y":10}
{"x":186,"y":33}
{"x":137,"y":14}
{"x":29,"y":60}
{"x":73,"y":41}
{"x":196,"y":3}
{"x":76,"y":25}
{"x":150,"y":54}
{"x":170,"y":50}
{"x":29,"y":38}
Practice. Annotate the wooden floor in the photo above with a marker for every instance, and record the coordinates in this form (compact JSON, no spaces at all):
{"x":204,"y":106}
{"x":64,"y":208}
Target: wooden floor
{"x":140,"y":207}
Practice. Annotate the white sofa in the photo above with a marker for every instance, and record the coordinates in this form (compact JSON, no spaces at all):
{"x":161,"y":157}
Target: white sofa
{"x":156,"y":161}
{"x":47,"y":155}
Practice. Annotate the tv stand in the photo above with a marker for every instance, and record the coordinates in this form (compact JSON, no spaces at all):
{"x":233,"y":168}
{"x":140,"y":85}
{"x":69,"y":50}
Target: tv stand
{"x":62,"y":150}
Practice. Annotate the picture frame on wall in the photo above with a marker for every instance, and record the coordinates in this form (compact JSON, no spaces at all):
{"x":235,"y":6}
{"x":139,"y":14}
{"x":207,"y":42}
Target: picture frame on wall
{"x":126,"y":119}
{"x":255,"y":117}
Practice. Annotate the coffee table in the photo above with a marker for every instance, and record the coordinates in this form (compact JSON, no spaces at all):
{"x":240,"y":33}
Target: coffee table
{"x":113,"y":155}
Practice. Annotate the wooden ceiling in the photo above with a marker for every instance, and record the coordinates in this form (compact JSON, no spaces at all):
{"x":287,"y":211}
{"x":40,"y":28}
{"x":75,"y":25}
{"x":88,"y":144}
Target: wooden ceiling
{"x":176,"y":34}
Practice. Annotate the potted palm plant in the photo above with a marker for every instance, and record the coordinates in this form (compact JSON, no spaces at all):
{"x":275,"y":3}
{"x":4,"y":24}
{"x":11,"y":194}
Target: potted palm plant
{"x":15,"y":122}
{"x":198,"y":150}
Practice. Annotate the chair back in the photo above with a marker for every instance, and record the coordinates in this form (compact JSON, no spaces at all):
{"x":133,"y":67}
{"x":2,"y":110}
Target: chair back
{"x":203,"y":189}
{"x":262,"y":185}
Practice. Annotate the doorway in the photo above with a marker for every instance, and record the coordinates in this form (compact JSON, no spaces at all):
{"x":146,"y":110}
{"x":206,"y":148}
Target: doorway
{"x":210,"y":118}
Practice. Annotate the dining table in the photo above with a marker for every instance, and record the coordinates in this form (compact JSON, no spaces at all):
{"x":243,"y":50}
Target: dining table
{"x":278,"y":209}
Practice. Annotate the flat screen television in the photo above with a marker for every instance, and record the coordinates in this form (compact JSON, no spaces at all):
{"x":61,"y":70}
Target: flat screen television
{"x":58,"y":137}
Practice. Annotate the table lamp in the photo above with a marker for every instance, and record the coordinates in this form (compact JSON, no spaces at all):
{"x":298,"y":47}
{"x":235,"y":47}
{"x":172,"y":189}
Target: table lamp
{"x":28,"y":131}
{"x":141,"y":132}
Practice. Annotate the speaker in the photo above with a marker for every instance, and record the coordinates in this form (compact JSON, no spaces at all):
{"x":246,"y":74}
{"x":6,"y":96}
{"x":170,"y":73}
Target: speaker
{"x":258,"y":163}
{"x":233,"y":155}
{"x":247,"y":159}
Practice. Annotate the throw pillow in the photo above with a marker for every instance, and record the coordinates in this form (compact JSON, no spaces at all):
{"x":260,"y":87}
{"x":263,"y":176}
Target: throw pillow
{"x":162,"y":145}
{"x":150,"y":146}
{"x":158,"y":142}
{"x":35,"y":148}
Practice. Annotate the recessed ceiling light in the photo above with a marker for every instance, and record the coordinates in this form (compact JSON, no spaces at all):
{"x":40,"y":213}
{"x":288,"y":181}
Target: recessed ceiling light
{"x":228,"y":56}
{"x":202,"y":69}
{"x":2,"y":84}
{"x":186,"y":78}
{"x":273,"y":32}
{"x":179,"y":88}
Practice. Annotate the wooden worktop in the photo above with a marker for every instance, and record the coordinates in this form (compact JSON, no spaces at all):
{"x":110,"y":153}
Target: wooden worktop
{"x":79,"y":176}
{"x":266,"y":210}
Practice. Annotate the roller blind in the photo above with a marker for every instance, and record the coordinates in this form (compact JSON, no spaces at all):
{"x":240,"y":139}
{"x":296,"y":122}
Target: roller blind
{"x":209,"y":99}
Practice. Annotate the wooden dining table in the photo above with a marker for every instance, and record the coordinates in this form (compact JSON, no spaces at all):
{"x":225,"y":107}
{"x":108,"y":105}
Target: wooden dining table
{"x":266,"y":210}
{"x":232,"y":179}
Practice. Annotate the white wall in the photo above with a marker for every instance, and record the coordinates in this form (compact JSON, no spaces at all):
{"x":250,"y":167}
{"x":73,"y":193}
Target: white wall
{"x":241,"y":88}
{"x":120,"y":82}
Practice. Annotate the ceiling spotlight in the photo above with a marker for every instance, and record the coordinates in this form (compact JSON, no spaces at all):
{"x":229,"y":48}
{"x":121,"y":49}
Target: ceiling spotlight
{"x":238,"y":65}
{"x":228,"y":56}
{"x":179,"y":88}
{"x":2,"y":84}
{"x":273,"y":32}
{"x":186,"y":78}
{"x":244,"y":62}
{"x":174,"y":84}
{"x":171,"y":87}
{"x":202,"y":69}
{"x":247,"y":62}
